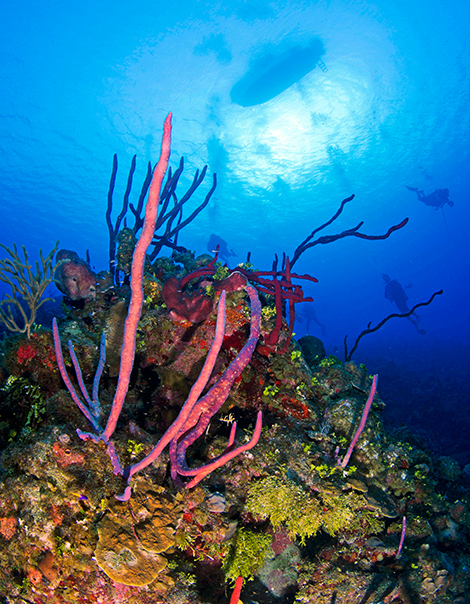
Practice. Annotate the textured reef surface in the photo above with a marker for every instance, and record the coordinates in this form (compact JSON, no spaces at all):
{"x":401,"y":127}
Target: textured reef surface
{"x":235,"y":461}
{"x":285,"y":516}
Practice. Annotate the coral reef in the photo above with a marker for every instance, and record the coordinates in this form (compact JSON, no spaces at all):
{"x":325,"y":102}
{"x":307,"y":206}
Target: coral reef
{"x":284,"y":515}
{"x":237,"y":508}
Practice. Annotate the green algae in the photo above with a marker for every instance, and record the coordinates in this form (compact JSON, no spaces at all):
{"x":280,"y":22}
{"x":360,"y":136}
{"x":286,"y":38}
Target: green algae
{"x":247,"y":555}
{"x":285,"y":504}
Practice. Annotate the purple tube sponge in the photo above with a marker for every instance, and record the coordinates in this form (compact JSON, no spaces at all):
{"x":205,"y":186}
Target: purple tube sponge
{"x":365,"y":413}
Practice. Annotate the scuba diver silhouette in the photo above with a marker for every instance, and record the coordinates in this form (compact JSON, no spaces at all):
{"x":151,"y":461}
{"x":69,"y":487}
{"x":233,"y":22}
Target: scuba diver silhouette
{"x":395,"y":293}
{"x":308,"y":313}
{"x":437,"y":199}
{"x":224,"y":252}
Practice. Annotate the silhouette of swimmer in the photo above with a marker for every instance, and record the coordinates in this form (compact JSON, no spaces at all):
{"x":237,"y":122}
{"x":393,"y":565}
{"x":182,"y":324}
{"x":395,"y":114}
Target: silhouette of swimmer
{"x":395,"y":293}
{"x":224,"y":253}
{"x":308,"y":313}
{"x":437,"y":199}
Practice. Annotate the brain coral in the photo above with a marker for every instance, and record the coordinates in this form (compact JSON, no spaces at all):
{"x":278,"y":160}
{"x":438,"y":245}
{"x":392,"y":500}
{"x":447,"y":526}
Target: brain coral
{"x":130,"y":544}
{"x":121,"y":556}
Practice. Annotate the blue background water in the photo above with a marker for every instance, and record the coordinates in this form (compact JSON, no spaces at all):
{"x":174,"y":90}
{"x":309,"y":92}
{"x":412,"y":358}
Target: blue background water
{"x":82,"y":81}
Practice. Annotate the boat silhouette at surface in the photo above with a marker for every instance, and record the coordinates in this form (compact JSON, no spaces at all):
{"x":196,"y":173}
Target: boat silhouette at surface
{"x":274,"y":72}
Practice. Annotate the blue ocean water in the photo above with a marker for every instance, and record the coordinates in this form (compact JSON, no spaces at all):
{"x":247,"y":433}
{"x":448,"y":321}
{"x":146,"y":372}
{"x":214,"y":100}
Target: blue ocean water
{"x":79,"y":83}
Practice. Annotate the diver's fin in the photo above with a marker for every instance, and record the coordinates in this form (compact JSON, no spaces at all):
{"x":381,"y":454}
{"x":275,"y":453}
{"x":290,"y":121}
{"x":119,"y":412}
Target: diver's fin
{"x":411,"y":188}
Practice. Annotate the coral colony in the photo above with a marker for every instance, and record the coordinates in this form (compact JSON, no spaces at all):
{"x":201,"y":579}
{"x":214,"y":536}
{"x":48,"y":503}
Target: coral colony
{"x":249,"y":423}
{"x":197,"y":411}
